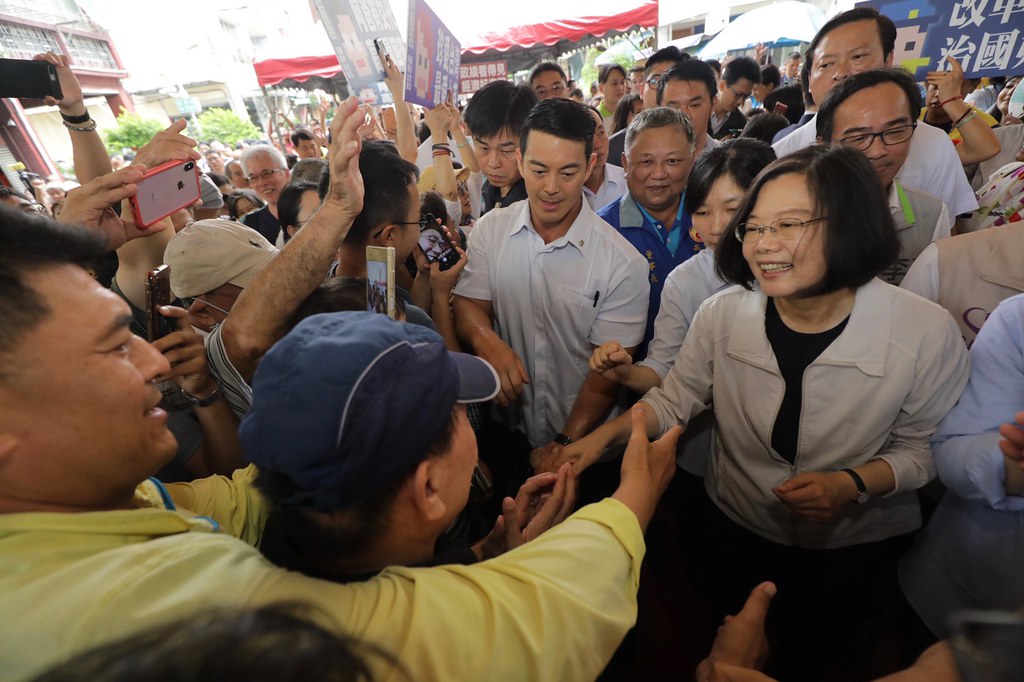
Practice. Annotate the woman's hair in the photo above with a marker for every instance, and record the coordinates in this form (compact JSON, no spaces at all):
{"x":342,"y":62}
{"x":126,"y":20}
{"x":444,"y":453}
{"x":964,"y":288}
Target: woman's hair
{"x":288,"y":204}
{"x":859,"y":233}
{"x":433,"y":203}
{"x":620,"y":119}
{"x":231,"y":201}
{"x":740,"y":159}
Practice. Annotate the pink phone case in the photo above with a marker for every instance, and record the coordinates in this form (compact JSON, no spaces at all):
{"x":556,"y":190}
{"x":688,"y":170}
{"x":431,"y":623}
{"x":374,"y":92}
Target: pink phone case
{"x":165,"y":189}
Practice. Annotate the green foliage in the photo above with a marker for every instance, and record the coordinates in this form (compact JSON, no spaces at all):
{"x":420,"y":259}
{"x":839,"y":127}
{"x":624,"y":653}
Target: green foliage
{"x":132,"y":132}
{"x":226,"y":126}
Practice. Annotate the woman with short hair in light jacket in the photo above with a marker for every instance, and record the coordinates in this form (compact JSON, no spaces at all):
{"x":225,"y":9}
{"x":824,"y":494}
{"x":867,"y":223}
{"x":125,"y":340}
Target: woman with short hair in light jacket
{"x":826,"y":385}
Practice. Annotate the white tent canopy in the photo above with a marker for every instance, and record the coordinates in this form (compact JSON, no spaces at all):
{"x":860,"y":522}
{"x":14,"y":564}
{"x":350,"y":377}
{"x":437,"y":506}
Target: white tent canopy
{"x":789,"y":21}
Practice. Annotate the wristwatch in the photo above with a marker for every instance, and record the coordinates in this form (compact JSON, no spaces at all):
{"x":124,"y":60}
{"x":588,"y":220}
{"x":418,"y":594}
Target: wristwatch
{"x":862,"y":490}
{"x":562,"y":439}
{"x":202,"y":402}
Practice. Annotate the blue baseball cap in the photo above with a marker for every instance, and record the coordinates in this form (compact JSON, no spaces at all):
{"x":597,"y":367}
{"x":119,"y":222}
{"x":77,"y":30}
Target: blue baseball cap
{"x":347,"y":403}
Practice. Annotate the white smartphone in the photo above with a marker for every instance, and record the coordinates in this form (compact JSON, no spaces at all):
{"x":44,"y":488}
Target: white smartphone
{"x":165,"y":189}
{"x":380,"y":280}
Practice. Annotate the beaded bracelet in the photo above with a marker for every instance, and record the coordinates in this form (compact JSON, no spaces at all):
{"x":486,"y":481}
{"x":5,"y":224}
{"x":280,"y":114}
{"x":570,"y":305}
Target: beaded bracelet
{"x":81,"y":129}
{"x":951,"y":99}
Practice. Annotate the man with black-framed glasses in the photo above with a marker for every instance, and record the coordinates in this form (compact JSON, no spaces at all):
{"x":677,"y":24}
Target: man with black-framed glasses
{"x":876,"y":112}
{"x":734,"y":87}
{"x":267,"y":173}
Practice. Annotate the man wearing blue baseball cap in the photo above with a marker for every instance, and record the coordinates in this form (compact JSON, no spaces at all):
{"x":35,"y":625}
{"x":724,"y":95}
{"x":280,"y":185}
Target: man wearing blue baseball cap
{"x":359,"y":430}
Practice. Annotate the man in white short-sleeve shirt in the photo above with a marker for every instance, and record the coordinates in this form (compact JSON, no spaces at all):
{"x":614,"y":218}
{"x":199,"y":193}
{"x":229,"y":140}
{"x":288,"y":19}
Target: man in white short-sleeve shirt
{"x":547,"y":281}
{"x":859,"y":40}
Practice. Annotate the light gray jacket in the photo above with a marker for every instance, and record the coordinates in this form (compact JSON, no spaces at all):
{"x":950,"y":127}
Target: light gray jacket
{"x":877,"y":392}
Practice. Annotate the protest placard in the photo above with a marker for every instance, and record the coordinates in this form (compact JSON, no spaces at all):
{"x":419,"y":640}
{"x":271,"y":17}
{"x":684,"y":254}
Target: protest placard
{"x":433,"y":57}
{"x":352,"y":26}
{"x":985,"y":36}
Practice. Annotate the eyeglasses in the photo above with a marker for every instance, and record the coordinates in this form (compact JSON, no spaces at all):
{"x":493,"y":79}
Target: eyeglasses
{"x":425,"y":221}
{"x":889,"y":137}
{"x":654,"y":81}
{"x":739,"y":94}
{"x":784,"y":228}
{"x":264,"y":174}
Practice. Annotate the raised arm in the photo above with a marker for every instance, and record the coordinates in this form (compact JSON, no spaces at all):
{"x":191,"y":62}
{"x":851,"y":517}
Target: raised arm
{"x":978,"y":142}
{"x":406,"y":142}
{"x":89,"y":152}
{"x":439,"y":120}
{"x":258,"y":319}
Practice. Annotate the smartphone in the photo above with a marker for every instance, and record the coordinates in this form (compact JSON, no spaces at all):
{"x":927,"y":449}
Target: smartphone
{"x":165,"y":189}
{"x":436,"y":246}
{"x":380,"y":280}
{"x":987,"y":645}
{"x":781,"y":108}
{"x":158,"y":293}
{"x":382,"y":53}
{"x":29,"y":78}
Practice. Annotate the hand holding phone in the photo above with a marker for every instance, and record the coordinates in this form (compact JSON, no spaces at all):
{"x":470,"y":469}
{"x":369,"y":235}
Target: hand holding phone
{"x":436,"y":246}
{"x":380,"y":280}
{"x":158,"y":294}
{"x":29,"y":79}
{"x":165,"y":189}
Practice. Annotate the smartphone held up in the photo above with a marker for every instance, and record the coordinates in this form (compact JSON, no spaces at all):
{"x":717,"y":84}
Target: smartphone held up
{"x":164,"y":190}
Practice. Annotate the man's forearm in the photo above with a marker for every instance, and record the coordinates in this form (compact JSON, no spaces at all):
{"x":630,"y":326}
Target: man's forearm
{"x":594,"y":402}
{"x":259,"y":317}
{"x":472,"y":324}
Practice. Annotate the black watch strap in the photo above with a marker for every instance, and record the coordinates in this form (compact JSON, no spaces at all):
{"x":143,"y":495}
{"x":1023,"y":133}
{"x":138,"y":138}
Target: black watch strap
{"x":862,"y":489}
{"x":562,"y":439}
{"x":82,"y":118}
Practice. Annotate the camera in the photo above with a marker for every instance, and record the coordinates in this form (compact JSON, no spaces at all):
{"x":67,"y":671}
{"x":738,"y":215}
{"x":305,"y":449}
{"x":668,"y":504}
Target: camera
{"x":189,"y":166}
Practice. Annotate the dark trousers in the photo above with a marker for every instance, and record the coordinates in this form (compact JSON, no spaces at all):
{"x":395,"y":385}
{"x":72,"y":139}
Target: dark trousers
{"x":839,"y":613}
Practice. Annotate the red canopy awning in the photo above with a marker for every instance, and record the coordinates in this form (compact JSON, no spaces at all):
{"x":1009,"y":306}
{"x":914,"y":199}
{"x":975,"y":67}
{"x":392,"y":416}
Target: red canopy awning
{"x":643,"y":13}
{"x":301,"y":69}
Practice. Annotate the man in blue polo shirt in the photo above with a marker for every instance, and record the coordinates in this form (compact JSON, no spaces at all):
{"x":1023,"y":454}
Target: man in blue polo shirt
{"x":658,"y":158}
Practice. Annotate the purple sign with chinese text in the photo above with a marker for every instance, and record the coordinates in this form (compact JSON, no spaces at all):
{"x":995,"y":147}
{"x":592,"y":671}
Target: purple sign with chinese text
{"x":432,"y":58}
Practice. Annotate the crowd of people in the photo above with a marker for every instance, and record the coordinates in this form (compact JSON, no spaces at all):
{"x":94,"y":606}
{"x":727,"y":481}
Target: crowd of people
{"x":778,"y":310}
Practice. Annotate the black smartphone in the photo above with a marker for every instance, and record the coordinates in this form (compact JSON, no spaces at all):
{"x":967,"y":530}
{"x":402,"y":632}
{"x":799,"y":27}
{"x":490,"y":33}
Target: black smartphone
{"x":436,"y":246}
{"x":158,"y":293}
{"x":29,"y":79}
{"x":382,"y":54}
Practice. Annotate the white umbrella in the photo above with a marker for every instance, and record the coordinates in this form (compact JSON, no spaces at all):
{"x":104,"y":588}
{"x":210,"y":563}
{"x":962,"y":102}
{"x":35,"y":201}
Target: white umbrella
{"x":783,"y":21}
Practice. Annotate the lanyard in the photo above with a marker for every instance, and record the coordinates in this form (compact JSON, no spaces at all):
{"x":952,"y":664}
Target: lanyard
{"x":908,"y":210}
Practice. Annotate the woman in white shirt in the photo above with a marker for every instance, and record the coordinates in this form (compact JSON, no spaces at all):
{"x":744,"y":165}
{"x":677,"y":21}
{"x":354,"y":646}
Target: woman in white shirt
{"x":826,"y":385}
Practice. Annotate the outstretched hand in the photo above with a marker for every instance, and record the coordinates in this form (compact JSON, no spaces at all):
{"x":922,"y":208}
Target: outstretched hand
{"x":542,"y":502}
{"x":90,"y":206}
{"x":346,"y":182}
{"x":741,"y":640}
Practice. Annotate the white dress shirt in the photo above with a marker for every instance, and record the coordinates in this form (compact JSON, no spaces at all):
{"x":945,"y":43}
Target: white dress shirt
{"x":613,"y":187}
{"x":552,"y":302}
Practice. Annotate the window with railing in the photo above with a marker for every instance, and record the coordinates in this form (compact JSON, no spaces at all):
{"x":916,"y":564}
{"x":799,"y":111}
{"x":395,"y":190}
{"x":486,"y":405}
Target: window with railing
{"x":90,"y":52}
{"x":24,"y":42}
